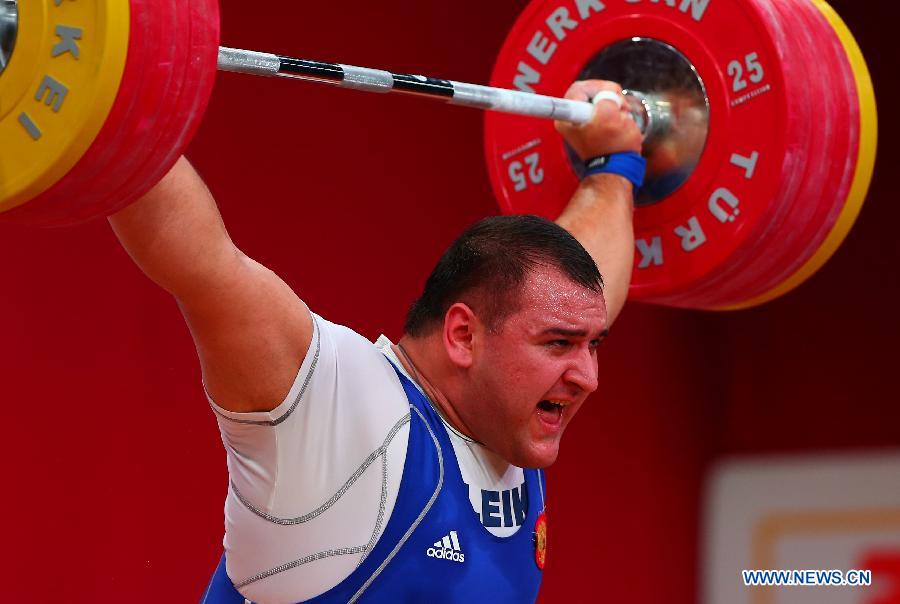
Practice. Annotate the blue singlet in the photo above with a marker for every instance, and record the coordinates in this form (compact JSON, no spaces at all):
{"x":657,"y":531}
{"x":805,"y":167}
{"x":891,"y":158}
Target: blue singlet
{"x":434,"y":548}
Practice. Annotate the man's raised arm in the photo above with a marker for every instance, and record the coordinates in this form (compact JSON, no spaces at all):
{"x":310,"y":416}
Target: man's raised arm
{"x":250,"y":329}
{"x":600,"y":213}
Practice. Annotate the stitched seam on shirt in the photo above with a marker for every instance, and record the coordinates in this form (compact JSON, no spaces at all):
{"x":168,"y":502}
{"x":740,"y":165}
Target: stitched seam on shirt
{"x":287,"y":414}
{"x":364,"y":548}
{"x":421,"y":390}
{"x":417,"y":521}
{"x":381,"y":508}
{"x":334,"y":498}
{"x":296,"y":563}
{"x":541,"y":489}
{"x":270,"y":504}
{"x":206,"y":593}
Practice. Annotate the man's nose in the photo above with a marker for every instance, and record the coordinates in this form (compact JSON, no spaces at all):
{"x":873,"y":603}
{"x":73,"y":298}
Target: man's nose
{"x":583,"y":371}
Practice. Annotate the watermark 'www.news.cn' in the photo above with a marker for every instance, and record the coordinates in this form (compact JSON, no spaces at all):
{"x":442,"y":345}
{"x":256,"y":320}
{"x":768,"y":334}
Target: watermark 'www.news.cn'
{"x":801,"y":578}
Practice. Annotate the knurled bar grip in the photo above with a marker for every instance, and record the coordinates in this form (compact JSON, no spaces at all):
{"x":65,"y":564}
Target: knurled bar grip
{"x":376,"y":80}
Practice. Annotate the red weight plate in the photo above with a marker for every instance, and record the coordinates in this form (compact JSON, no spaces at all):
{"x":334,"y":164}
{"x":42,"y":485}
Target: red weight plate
{"x":807,"y":216}
{"x":154,"y":43}
{"x":777,"y":231}
{"x":166,"y":85}
{"x":691,"y":237}
{"x":180,"y":123}
{"x":835,"y":114}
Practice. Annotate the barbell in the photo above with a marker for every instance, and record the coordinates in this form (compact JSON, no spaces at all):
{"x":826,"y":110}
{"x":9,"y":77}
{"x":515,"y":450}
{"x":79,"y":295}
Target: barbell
{"x":759,"y":120}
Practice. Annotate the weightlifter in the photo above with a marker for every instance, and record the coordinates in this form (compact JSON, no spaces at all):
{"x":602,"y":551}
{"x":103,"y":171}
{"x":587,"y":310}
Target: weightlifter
{"x":399,"y":472}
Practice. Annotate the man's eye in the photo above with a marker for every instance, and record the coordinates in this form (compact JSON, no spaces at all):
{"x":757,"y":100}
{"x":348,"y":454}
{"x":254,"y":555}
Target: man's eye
{"x":559,"y":343}
{"x":595,"y":343}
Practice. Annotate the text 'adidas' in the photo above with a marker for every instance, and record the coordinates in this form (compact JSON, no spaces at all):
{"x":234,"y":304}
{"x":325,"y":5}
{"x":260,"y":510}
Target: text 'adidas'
{"x":447,"y":549}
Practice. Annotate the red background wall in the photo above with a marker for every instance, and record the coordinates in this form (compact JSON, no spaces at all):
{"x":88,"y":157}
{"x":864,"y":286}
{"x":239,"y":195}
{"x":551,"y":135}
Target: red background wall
{"x":114,"y":474}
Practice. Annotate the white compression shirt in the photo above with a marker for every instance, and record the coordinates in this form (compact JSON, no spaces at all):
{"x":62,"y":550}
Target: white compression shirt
{"x":314,"y":481}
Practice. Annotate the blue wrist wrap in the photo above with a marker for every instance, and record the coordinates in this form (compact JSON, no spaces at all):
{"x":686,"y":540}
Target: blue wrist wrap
{"x":629,"y":165}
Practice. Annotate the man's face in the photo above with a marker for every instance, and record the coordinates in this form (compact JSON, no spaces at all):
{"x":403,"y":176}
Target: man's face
{"x":530,"y":378}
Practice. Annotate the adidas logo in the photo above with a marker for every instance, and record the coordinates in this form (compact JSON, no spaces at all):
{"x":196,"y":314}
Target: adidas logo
{"x":447,"y":549}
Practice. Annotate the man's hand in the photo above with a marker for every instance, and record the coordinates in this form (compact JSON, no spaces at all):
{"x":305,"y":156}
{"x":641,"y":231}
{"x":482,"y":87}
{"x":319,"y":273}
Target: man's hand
{"x":611,"y":131}
{"x":600,"y":213}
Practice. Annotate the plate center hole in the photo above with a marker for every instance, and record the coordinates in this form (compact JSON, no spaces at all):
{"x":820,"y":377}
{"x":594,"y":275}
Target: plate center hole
{"x":673,"y":98}
{"x":9,"y":28}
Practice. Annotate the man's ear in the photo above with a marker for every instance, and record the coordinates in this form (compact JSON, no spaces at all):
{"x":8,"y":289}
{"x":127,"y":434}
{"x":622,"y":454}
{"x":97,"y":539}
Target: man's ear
{"x":462,"y":329}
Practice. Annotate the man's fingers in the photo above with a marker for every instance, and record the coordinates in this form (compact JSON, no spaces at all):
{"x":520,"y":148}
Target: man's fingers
{"x":577,"y":92}
{"x":609,"y":107}
{"x":585,"y":90}
{"x":609,"y":95}
{"x":606,"y":96}
{"x":612,"y":129}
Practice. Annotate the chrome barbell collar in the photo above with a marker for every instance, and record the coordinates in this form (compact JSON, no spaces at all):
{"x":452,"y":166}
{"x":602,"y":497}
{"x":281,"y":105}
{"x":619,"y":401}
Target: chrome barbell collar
{"x":9,"y":28}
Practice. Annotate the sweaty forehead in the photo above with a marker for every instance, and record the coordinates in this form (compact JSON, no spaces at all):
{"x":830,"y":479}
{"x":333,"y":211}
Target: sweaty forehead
{"x":549,"y":296}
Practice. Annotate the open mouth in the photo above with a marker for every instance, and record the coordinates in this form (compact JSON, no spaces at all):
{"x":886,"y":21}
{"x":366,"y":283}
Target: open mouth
{"x":550,"y":411}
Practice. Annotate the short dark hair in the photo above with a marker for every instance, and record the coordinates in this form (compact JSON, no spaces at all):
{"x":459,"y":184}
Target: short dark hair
{"x":487,"y":265}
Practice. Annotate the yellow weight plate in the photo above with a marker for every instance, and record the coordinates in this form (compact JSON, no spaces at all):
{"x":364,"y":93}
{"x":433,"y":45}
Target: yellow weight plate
{"x":865,"y":164}
{"x":57,"y":90}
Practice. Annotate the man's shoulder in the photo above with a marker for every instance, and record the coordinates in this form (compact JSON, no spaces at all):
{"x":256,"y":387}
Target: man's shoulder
{"x":346,"y":343}
{"x":344,"y":335}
